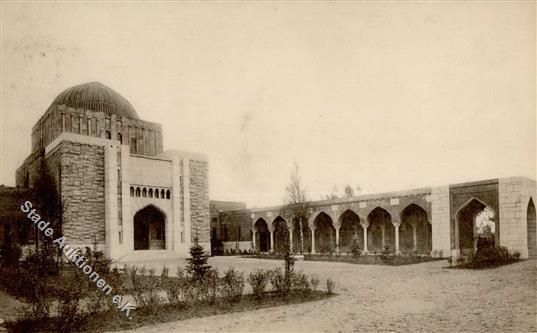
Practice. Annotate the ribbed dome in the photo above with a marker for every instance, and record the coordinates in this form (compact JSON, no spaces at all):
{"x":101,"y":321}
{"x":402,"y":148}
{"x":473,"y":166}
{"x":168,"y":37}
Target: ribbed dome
{"x":96,"y":97}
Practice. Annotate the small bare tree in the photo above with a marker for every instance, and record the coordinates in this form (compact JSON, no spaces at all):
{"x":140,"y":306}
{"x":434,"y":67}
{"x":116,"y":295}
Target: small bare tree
{"x":297,"y":202}
{"x":349,"y":191}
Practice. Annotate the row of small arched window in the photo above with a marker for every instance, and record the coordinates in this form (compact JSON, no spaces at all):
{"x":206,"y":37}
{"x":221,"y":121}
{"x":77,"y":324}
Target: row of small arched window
{"x":150,"y":193}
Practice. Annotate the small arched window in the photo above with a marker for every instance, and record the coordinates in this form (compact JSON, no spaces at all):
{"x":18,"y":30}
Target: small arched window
{"x":108,"y":135}
{"x":167,"y":194}
{"x":162,"y":194}
{"x":144,"y":193}
{"x":150,"y":193}
{"x":138,"y":192}
{"x":132,"y":191}
{"x":156,"y":193}
{"x":119,"y":138}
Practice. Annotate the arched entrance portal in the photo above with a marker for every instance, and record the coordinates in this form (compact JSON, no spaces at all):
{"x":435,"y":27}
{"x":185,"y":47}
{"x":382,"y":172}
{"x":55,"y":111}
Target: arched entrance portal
{"x":476,"y":226}
{"x":381,"y":232}
{"x":415,"y":231}
{"x":532,"y":230}
{"x":149,"y":229}
{"x":281,"y":234}
{"x":350,"y":232}
{"x":262,"y":236}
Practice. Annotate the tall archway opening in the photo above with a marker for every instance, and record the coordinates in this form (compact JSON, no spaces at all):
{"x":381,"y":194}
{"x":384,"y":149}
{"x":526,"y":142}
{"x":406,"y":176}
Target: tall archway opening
{"x":262,"y":236}
{"x":281,"y":234}
{"x":415,"y":232}
{"x":531,"y":229}
{"x":325,"y":234}
{"x":381,"y":232}
{"x":477,"y":226}
{"x":350,"y":232}
{"x":149,"y":229}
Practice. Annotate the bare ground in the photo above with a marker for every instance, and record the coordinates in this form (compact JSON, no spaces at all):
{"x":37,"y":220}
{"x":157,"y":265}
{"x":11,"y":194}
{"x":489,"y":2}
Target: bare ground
{"x":416,"y":298}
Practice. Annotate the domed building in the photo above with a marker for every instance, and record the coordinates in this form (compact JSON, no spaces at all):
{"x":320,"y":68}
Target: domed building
{"x":120,"y":192}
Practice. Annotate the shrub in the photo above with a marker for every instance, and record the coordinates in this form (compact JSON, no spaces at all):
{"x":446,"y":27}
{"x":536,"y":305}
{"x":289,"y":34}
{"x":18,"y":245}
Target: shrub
{"x":277,"y":280}
{"x":258,"y":281}
{"x":136,"y":284}
{"x":70,"y":289}
{"x":208,"y":287}
{"x":144,"y":289}
{"x":37,"y":273}
{"x":326,"y":248}
{"x":490,"y":256}
{"x":151,"y":288}
{"x":355,"y":248}
{"x":171,"y":286}
{"x":232,"y":285}
{"x":330,"y":284}
{"x":10,"y":255}
{"x":387,"y":255}
{"x":301,"y":283}
{"x":314,"y":282}
{"x":96,"y":301}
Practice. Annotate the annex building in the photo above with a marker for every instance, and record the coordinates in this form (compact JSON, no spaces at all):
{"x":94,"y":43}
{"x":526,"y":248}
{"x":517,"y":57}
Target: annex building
{"x":444,"y":221}
{"x":121,"y":192}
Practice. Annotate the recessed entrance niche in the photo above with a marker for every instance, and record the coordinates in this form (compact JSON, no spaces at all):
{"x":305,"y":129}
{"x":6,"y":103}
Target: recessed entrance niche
{"x":149,"y":229}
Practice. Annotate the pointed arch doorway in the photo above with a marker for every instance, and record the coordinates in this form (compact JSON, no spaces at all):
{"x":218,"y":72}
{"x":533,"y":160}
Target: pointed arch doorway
{"x":149,"y":229}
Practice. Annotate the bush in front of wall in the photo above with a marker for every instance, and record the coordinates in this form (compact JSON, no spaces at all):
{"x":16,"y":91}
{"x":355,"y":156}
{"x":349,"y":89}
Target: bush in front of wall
{"x":258,"y":280}
{"x":232,"y":284}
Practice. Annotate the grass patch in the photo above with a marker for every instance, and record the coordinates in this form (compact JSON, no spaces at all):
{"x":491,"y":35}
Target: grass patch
{"x":114,"y":321}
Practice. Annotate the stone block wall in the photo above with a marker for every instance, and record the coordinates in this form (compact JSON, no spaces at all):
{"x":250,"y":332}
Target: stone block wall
{"x":82,"y":191}
{"x":199,"y":201}
{"x":514,"y":195}
{"x":147,"y":136}
{"x":440,"y":219}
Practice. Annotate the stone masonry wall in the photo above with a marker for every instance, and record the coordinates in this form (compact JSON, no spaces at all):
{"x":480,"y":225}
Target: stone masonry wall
{"x":82,"y":190}
{"x":514,"y":195}
{"x":199,"y":200}
{"x":440,"y":219}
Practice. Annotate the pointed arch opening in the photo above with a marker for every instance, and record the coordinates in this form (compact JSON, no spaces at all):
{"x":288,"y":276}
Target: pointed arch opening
{"x":325,"y":234}
{"x":262,"y":236}
{"x":415,"y":232}
{"x":149,"y":229}
{"x":476,"y":226}
{"x":281,"y":234}
{"x":381,"y":232}
{"x":350,"y":232}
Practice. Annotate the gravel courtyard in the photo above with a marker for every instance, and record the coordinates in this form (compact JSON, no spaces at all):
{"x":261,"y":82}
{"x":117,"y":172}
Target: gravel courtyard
{"x":415,"y":298}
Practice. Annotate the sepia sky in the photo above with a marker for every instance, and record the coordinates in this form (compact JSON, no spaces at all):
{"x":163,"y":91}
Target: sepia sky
{"x":385,"y":95}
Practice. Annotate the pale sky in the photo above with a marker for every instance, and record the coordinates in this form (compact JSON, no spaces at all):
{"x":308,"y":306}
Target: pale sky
{"x":389,"y":96}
